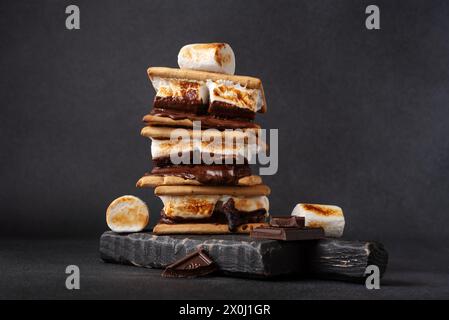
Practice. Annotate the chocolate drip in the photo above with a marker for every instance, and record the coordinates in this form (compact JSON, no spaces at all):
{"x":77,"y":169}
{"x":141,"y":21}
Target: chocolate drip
{"x":223,"y":214}
{"x":207,"y":121}
{"x":210,"y":175}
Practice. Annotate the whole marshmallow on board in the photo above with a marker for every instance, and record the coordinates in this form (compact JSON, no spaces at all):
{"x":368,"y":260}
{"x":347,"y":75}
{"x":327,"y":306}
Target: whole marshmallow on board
{"x":328,"y":217}
{"x":212,"y":57}
{"x":127,"y":214}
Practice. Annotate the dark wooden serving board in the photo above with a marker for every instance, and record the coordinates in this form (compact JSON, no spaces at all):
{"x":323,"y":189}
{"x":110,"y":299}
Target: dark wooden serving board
{"x":240,"y":255}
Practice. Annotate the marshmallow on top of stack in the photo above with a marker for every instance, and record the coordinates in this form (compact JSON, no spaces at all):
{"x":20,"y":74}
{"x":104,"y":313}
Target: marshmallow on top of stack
{"x":222,"y":197}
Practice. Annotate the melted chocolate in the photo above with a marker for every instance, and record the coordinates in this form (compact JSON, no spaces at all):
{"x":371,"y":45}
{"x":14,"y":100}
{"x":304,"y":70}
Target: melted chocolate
{"x":223,"y":214}
{"x":207,"y":121}
{"x":166,"y":161}
{"x":226,"y":110}
{"x":184,"y":104}
{"x":236,"y":217}
{"x":210,"y":175}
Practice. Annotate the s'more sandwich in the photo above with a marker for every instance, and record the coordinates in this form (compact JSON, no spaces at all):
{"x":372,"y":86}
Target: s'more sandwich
{"x":205,"y":183}
{"x":212,"y":209}
{"x":205,"y":89}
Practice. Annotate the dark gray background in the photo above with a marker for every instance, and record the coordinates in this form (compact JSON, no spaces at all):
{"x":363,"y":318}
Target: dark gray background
{"x":362,"y":115}
{"x":362,"y":118}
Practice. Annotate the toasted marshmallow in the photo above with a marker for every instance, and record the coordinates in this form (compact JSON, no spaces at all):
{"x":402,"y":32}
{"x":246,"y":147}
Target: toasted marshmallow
{"x":213,"y":57}
{"x":235,"y":95}
{"x":219,"y":148}
{"x":191,"y":207}
{"x":202,"y":206}
{"x":193,"y":91}
{"x":249,"y":203}
{"x":328,"y":217}
{"x":127,"y":214}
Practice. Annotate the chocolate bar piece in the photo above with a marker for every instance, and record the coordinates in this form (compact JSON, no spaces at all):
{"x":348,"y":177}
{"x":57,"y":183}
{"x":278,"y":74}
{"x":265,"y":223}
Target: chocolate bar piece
{"x":195,"y":264}
{"x":287,"y":234}
{"x":287,"y":222}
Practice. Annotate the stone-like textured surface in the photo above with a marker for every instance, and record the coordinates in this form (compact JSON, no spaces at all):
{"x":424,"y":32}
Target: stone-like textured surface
{"x":244,"y":256}
{"x":345,"y":260}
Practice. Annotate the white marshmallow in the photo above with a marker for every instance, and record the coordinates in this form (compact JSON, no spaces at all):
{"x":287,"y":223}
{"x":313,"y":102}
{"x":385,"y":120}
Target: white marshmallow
{"x":241,"y":144}
{"x":213,"y":57}
{"x":328,"y":217}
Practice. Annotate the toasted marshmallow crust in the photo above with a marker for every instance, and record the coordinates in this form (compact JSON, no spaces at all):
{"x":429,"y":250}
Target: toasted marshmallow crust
{"x":127,"y":214}
{"x":213,"y":57}
{"x":328,"y":217}
{"x":235,"y":95}
{"x":202,"y":206}
{"x":194,"y":91}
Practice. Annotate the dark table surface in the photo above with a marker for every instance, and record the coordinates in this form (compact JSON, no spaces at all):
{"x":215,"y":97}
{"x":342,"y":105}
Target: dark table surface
{"x":35,"y":269}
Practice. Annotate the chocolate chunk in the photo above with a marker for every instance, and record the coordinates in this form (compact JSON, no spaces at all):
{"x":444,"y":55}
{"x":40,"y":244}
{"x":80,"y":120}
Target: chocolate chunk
{"x":287,"y":222}
{"x":195,"y":264}
{"x":287,"y":234}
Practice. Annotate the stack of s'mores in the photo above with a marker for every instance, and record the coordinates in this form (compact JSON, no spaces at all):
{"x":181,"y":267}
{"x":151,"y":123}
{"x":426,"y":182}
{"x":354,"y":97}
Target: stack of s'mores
{"x":203,"y":139}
